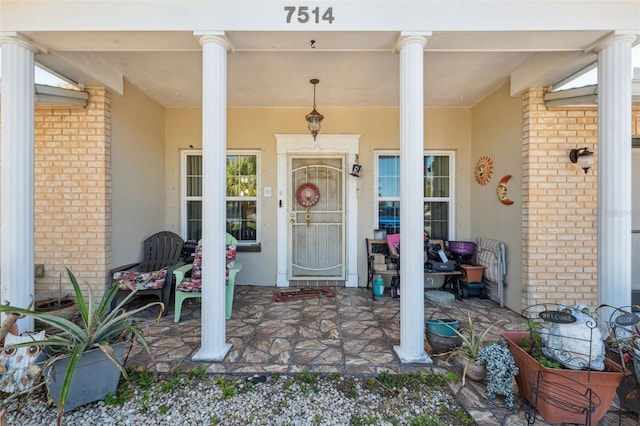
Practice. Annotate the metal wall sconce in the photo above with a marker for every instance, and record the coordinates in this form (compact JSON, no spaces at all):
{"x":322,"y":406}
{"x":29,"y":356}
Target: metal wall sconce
{"x":583,"y":157}
{"x":314,"y":118}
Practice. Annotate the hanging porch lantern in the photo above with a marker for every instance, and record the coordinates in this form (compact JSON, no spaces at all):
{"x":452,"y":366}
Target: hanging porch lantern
{"x":314,"y":118}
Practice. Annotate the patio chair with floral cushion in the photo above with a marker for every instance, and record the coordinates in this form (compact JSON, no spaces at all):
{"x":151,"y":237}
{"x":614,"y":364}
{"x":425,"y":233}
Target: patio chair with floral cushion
{"x":189,"y":278}
{"x":154,"y":275}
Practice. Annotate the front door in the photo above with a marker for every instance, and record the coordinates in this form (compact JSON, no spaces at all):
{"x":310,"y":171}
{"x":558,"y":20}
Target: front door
{"x":317,"y":219}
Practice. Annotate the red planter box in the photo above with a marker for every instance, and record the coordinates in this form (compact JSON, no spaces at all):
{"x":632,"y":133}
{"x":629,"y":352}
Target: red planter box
{"x":559,"y":386}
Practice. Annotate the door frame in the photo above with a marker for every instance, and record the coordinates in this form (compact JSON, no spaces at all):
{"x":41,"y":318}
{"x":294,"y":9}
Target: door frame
{"x":332,"y":144}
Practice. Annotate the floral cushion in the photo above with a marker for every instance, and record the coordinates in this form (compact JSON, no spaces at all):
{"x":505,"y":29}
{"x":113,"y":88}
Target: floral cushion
{"x":128,"y":280}
{"x":193,"y":284}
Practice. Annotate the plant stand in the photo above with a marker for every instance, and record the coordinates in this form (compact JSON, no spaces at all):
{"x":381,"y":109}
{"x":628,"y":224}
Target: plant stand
{"x":95,"y":377}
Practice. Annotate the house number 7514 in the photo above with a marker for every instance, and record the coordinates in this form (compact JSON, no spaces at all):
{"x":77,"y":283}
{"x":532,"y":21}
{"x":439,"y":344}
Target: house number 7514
{"x":306,"y":15}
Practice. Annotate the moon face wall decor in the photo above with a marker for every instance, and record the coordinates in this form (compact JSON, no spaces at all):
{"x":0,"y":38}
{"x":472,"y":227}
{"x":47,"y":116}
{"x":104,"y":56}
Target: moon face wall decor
{"x":502,"y":191}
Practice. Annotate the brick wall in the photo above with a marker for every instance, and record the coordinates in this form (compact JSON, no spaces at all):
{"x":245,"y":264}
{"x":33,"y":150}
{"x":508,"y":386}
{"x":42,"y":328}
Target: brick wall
{"x":559,"y":220}
{"x":73,"y":193}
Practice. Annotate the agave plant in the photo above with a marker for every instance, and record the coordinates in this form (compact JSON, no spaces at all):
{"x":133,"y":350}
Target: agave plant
{"x":472,"y":342}
{"x":98,"y":328}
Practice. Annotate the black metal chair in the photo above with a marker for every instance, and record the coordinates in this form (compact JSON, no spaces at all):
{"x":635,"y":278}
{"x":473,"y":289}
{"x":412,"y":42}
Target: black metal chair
{"x":154,"y":275}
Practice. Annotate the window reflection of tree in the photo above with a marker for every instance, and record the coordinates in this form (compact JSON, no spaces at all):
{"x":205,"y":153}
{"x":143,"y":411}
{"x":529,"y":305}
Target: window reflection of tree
{"x":241,"y":184}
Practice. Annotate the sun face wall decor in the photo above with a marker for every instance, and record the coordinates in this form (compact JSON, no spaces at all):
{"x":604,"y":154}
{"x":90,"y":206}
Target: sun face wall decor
{"x":484,"y":170}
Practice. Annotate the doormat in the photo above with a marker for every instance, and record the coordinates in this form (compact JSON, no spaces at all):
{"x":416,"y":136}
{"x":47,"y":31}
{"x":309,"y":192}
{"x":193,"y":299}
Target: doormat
{"x":302,"y":293}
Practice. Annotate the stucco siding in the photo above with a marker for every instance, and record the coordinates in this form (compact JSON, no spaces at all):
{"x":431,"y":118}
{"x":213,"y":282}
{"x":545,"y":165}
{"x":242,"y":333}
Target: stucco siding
{"x":138,"y":173}
{"x":254,"y":128}
{"x":497,"y":133}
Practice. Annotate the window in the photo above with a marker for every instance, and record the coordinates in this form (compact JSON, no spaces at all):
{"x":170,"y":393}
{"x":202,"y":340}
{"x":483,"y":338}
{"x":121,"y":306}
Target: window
{"x":438,"y":193}
{"x":242,"y":195}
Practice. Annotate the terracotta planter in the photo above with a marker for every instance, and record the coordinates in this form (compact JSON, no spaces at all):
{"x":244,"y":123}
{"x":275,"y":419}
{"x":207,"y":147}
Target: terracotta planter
{"x":475,"y":372}
{"x":64,"y":307}
{"x":562,"y":394}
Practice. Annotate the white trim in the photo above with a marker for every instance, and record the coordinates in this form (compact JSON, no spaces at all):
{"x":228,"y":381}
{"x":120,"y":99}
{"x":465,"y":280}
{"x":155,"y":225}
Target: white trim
{"x":345,"y":144}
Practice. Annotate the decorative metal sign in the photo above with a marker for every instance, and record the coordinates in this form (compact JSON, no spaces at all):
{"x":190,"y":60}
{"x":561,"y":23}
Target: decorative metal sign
{"x":627,"y":319}
{"x":558,"y":317}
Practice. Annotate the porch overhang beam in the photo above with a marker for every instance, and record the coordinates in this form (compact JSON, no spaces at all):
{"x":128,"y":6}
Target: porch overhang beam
{"x":587,"y":95}
{"x":57,"y":95}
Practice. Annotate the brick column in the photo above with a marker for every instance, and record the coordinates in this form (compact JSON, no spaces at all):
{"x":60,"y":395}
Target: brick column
{"x":17,"y":148}
{"x":214,"y":154}
{"x":411,"y":349}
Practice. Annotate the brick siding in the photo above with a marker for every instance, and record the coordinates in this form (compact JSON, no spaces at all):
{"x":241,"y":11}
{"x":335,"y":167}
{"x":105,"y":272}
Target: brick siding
{"x":559,"y":218}
{"x":73,"y":193}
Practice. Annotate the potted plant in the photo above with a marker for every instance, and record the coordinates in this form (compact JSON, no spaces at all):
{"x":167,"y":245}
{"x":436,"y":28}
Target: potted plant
{"x":100,"y":336}
{"x":62,"y":305}
{"x":560,"y":370}
{"x":473,"y":341}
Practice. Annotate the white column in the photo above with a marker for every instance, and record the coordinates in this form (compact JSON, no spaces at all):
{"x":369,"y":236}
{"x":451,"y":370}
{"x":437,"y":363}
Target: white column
{"x":411,"y":349}
{"x":17,"y":152}
{"x":614,"y":170}
{"x":214,"y":153}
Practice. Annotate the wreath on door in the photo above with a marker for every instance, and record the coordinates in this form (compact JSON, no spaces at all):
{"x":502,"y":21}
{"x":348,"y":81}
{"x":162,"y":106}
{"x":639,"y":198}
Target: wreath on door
{"x":307,"y":194}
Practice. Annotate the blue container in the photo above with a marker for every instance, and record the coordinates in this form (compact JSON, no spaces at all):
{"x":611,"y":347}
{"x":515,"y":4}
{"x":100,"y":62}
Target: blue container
{"x":442,"y":326}
{"x":378,"y":286}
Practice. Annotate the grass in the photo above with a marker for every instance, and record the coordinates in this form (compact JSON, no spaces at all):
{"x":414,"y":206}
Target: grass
{"x":142,"y":380}
{"x":350,"y":389}
{"x":309,"y":378}
{"x":172,"y":384}
{"x":227,"y":387}
{"x":198,"y":373}
{"x":309,"y":382}
{"x":358,"y":420}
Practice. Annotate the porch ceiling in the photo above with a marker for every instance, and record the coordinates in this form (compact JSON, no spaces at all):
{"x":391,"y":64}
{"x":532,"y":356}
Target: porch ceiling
{"x":356,"y":69}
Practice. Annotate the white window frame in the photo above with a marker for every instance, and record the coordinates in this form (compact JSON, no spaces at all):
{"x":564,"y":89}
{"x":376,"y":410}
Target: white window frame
{"x":183,"y":190}
{"x":450,"y":199}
